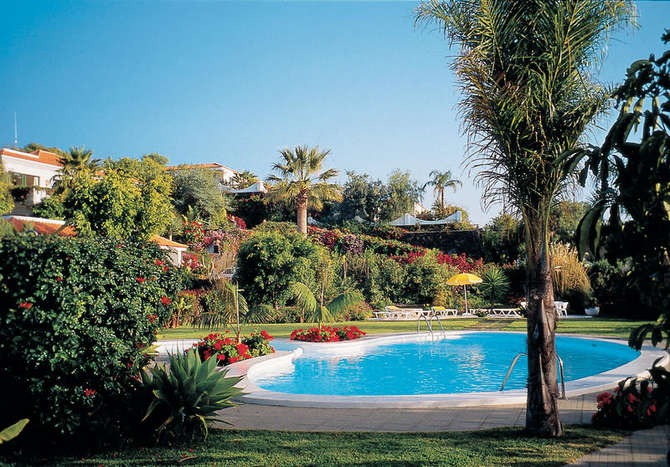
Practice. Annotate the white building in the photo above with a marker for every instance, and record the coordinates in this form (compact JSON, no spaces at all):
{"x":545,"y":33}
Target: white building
{"x":35,"y":170}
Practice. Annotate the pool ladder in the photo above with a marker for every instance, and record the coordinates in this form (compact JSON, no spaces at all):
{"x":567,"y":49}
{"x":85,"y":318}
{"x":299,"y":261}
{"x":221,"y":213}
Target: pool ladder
{"x":428,"y":321}
{"x":516,"y":359}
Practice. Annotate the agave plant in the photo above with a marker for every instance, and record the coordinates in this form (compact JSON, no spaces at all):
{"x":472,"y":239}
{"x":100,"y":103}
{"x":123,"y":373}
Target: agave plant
{"x":187,"y":395}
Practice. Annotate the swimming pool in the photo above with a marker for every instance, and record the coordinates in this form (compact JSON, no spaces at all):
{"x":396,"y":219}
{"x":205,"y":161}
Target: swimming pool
{"x":461,"y":368}
{"x":473,"y":362}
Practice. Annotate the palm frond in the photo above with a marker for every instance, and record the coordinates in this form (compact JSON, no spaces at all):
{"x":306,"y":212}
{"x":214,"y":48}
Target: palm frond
{"x":304,"y":298}
{"x":345,"y":302}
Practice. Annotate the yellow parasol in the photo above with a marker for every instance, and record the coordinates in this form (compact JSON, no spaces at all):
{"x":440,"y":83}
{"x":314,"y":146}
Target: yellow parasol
{"x":464,"y":279}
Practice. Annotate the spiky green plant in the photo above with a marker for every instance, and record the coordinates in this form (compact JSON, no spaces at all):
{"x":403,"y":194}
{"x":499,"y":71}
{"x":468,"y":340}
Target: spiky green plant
{"x":495,"y":285}
{"x":187,"y":393}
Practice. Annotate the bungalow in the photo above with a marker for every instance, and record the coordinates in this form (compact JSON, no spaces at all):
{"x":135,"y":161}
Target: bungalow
{"x":44,"y":226}
{"x":34,"y":171}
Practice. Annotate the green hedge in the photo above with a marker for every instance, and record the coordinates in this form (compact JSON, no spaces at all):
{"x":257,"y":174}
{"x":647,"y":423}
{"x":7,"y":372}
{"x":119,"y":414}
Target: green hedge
{"x":76,"y":314}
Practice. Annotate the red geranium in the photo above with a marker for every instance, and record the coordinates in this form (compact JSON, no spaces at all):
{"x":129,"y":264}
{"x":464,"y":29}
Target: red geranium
{"x":141,"y":280}
{"x":165,"y":301}
{"x":25,"y":305}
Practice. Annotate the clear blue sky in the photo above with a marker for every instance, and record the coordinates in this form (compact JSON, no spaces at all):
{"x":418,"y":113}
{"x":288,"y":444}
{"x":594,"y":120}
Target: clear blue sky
{"x":234,"y":81}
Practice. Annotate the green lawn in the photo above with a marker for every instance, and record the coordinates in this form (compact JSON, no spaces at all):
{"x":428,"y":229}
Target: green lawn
{"x":504,"y":446}
{"x":595,"y":326}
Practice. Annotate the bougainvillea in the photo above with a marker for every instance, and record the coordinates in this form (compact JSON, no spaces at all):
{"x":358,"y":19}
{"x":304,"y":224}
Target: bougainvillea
{"x":461,"y":262}
{"x":327,"y":334}
{"x":343,"y":243}
{"x":227,"y":350}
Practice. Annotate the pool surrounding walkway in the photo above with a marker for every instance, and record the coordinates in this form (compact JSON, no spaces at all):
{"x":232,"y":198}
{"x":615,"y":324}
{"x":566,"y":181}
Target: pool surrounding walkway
{"x":644,"y":447}
{"x":268,"y":417}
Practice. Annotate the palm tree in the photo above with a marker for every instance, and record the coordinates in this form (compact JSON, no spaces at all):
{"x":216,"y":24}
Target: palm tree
{"x":315,"y":310}
{"x":78,"y":161}
{"x":242,"y":180}
{"x":440,"y":181}
{"x":303,"y":181}
{"x":524,"y":70}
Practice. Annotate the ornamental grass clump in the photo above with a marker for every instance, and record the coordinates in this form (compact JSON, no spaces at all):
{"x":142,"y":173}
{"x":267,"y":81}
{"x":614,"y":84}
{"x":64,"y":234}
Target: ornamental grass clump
{"x":227,"y":350}
{"x":77,"y":316}
{"x":327,"y":334}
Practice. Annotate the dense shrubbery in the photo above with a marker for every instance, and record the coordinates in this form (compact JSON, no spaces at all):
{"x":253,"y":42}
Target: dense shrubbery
{"x":327,"y":334}
{"x":76,"y":316}
{"x":337,"y":241}
{"x":268,"y":262}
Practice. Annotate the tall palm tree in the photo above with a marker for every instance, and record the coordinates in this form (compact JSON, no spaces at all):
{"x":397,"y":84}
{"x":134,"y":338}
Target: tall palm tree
{"x":528,"y":96}
{"x":441,"y":181}
{"x":78,"y":161}
{"x":303,"y":181}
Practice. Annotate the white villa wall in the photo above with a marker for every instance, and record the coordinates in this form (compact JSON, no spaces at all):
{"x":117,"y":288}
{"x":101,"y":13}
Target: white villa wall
{"x":45,"y":172}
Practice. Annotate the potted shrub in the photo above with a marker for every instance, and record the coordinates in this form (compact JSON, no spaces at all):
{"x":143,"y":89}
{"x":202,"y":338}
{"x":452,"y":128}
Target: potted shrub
{"x":592,"y":307}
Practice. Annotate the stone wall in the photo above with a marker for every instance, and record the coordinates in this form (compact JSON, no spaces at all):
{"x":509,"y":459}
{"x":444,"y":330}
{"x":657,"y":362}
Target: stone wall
{"x":449,"y":241}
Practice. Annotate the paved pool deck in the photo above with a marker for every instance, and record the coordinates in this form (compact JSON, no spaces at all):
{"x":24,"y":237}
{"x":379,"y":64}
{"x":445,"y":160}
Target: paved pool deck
{"x":642,"y":448}
{"x":270,"y":417}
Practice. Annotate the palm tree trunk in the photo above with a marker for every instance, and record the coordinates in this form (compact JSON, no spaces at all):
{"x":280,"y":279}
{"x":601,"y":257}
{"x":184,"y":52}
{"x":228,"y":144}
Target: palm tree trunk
{"x":301,"y":202}
{"x":442,"y":200}
{"x":542,"y":400}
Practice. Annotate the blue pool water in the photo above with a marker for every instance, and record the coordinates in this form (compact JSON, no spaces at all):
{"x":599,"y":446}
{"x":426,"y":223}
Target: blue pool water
{"x":469,"y":363}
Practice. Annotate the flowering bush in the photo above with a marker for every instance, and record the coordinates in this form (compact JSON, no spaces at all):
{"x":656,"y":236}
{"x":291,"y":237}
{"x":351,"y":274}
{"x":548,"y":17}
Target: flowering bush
{"x":461,"y":262}
{"x":636,"y":402}
{"x":76,"y":315}
{"x":337,"y":241}
{"x":193,"y":234}
{"x":352,"y":244}
{"x":190,"y":261}
{"x":327,"y":334}
{"x":227,"y":350}
{"x":239,"y":222}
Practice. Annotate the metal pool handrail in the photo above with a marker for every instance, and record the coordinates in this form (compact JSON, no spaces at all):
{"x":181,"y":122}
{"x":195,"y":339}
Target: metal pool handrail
{"x":516,"y":359}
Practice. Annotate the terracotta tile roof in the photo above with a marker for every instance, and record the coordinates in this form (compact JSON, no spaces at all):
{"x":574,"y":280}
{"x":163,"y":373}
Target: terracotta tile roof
{"x":211,"y":165}
{"x":51,"y":226}
{"x":42,"y":227}
{"x":162,"y":241}
{"x":45,"y":157}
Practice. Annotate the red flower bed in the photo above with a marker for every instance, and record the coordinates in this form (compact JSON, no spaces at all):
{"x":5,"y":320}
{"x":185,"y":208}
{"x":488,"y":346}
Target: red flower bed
{"x":327,"y":334}
{"x":227,"y":350}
